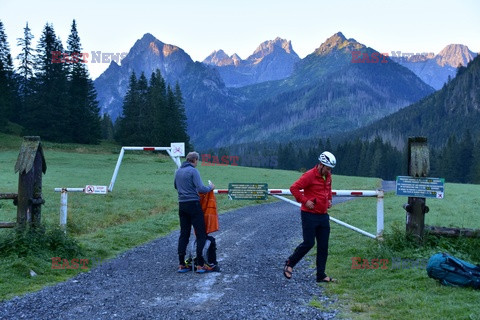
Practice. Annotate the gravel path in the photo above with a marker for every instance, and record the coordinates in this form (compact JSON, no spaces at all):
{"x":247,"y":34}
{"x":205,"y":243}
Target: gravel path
{"x":142,"y":283}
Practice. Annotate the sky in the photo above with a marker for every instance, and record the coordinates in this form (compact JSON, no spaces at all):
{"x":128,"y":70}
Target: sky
{"x":200,"y":27}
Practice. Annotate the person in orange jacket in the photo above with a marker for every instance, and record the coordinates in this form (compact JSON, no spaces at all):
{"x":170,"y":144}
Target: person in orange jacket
{"x":315,"y":199}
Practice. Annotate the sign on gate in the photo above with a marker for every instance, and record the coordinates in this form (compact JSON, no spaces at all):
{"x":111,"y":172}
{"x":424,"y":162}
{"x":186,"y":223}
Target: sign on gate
{"x":420,"y":187}
{"x":248,"y":191}
{"x":177,"y":149}
{"x":95,"y":189}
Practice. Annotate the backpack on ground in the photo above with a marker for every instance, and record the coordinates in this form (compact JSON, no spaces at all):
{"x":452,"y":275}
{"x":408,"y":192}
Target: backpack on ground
{"x":209,"y":251}
{"x":451,"y":271}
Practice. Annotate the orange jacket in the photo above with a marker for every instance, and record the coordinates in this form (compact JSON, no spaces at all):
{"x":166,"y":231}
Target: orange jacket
{"x":209,"y":207}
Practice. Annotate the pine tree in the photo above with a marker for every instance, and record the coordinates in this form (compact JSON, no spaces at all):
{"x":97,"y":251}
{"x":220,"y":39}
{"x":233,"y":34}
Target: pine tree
{"x":106,"y":125}
{"x":8,"y":87}
{"x":449,"y":166}
{"x":125,"y":134}
{"x":48,"y":116}
{"x":25,"y":70}
{"x":181,"y":130}
{"x":475,"y":169}
{"x":26,"y":57}
{"x":158,"y":108}
{"x":465,"y":157}
{"x":287,"y":157}
{"x":5,"y":55}
{"x":84,"y":120}
{"x":143,"y":121}
{"x":4,"y":97}
{"x":153,"y":114}
{"x":376,"y":159}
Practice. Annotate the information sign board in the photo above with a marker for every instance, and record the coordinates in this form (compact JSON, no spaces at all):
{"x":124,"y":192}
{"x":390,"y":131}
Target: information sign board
{"x":420,"y":187}
{"x":248,"y":191}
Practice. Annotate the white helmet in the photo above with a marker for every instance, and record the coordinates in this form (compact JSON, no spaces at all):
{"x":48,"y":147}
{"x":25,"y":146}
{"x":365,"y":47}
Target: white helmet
{"x":328,"y":159}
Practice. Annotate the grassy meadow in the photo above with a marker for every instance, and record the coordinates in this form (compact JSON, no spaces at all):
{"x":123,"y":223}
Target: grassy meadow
{"x":143,"y":207}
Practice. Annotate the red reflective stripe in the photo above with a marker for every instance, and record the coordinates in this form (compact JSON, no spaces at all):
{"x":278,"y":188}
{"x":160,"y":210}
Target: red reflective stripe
{"x":149,"y":149}
{"x":334,"y":193}
{"x":356,"y":193}
{"x":222,"y":191}
{"x":276,"y":191}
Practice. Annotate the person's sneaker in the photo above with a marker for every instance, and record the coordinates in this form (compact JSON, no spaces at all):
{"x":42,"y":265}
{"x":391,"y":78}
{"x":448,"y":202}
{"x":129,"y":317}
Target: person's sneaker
{"x":183,"y":268}
{"x":215,"y":267}
{"x":203,"y":269}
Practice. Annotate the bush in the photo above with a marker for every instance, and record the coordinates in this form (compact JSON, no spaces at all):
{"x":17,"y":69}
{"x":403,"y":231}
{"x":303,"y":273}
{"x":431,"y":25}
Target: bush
{"x":39,"y":242}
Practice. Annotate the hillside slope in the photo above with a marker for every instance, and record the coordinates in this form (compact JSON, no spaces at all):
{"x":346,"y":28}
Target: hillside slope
{"x":452,"y":110}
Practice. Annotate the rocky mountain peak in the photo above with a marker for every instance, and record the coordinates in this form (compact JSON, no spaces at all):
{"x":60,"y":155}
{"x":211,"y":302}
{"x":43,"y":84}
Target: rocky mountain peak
{"x":338,"y":42}
{"x":454,"y":55}
{"x":236,"y":59}
{"x":271,"y":46}
{"x":219,"y":58}
{"x":148,"y":37}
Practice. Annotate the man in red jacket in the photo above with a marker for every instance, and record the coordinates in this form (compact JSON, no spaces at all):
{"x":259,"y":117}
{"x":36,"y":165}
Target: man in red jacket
{"x":316,"y":198}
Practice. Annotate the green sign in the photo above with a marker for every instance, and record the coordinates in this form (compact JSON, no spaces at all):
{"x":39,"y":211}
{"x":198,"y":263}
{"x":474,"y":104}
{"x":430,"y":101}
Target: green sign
{"x":420,"y":187}
{"x":248,"y":191}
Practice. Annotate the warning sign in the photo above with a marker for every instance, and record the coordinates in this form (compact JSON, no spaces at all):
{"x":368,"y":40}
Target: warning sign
{"x":420,"y":187}
{"x":178,"y":149}
{"x":248,"y":191}
{"x":95,"y":189}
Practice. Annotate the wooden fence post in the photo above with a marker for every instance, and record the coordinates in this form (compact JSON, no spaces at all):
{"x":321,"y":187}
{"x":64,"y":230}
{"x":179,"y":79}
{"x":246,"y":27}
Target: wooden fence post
{"x":418,"y":166}
{"x":30,"y":166}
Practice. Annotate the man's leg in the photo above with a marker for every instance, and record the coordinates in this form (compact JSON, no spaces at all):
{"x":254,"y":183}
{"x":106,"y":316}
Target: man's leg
{"x":308,"y":230}
{"x":185,"y":227}
{"x":198,"y":223}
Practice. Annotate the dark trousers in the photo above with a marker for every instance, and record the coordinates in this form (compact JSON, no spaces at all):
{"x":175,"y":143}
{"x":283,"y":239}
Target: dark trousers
{"x":191,"y":214}
{"x":314,"y":226}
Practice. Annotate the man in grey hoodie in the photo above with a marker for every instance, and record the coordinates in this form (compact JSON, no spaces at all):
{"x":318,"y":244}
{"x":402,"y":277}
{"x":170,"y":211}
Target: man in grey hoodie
{"x":188,"y":184}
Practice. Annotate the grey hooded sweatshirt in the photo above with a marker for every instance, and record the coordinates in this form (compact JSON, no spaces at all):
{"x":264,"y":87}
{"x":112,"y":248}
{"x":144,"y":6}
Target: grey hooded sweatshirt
{"x":188,"y":183}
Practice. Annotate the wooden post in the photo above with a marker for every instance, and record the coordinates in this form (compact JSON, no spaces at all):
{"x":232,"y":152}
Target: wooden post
{"x":418,"y":166}
{"x":30,"y":166}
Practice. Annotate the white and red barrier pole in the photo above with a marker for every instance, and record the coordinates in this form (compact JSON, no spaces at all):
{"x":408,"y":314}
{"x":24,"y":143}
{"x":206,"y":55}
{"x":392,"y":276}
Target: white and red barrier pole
{"x":277,"y":193}
{"x":175,"y":159}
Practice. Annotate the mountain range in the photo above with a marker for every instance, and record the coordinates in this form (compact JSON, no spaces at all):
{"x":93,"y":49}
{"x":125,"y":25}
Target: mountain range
{"x":436,"y":70}
{"x":272,"y":60}
{"x":273,"y":94}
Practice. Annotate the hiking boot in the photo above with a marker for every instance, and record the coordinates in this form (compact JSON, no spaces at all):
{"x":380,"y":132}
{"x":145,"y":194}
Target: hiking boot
{"x":203,"y":269}
{"x":183,"y":268}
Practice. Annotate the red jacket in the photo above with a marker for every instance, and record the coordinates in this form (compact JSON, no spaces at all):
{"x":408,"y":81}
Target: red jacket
{"x":315,"y":188}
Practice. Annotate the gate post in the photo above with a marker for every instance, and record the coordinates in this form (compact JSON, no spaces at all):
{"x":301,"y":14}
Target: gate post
{"x":30,"y":166}
{"x":418,"y":166}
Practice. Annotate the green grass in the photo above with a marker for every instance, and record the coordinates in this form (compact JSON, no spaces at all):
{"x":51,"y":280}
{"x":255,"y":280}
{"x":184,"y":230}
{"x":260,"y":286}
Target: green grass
{"x":143,"y":207}
{"x":402,"y":293}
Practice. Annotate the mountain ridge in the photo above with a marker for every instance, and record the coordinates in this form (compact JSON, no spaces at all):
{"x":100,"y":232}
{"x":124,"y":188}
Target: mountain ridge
{"x":435,"y":70}
{"x":271,"y":60}
{"x":326,"y":84}
{"x":454,"y":108}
